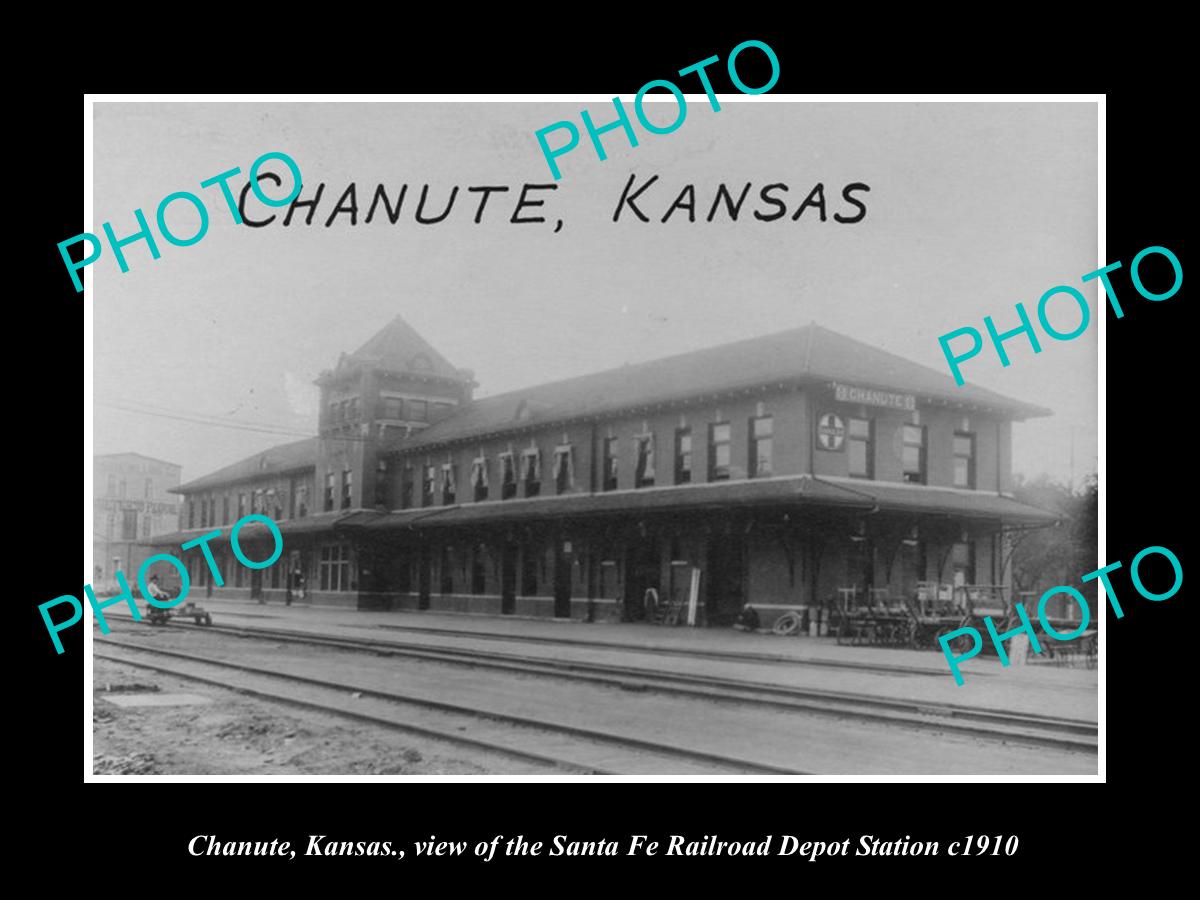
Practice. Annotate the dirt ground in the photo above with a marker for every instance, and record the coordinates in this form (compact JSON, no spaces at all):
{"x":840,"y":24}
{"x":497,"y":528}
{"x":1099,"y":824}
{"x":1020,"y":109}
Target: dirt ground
{"x":239,"y":735}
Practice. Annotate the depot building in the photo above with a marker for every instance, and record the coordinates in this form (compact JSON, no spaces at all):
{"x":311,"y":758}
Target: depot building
{"x":776,"y":471}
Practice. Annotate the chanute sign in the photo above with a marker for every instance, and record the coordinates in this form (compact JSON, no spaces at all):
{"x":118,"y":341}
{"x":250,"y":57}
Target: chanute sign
{"x":848,"y":393}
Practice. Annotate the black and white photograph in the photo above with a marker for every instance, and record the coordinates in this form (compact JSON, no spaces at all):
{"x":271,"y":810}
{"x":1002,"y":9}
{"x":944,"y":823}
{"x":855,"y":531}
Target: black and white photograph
{"x":437,"y":453}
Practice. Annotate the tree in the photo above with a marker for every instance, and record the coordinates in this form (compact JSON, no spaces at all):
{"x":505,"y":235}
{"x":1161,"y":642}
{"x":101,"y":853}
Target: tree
{"x":1061,"y":554}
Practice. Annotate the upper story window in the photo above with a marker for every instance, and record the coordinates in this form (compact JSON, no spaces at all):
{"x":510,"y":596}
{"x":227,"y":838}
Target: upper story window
{"x":333,"y":411}
{"x":440,"y":410}
{"x":762,"y":445}
{"x":531,"y":472}
{"x":328,"y":491}
{"x":225,"y":510}
{"x":352,"y":409}
{"x":449,"y":484}
{"x":428,"y":482}
{"x":860,"y":448}
{"x":964,"y":460}
{"x":392,"y":408}
{"x":241,"y":505}
{"x":564,"y":469}
{"x":914,"y":454}
{"x":418,"y":410}
{"x":508,"y":476}
{"x":479,"y":479}
{"x":644,"y":474}
{"x":301,"y":501}
{"x":718,"y":451}
{"x":610,"y":464}
{"x":149,"y":488}
{"x":347,"y":478}
{"x":191,"y":514}
{"x":683,"y":455}
{"x":406,"y":487}
{"x":129,"y":519}
{"x":112,"y":485}
{"x":381,"y":483}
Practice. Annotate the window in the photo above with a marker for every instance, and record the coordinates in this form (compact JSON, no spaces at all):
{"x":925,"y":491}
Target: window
{"x":146,"y":526}
{"x":564,"y":469}
{"x":406,"y":486}
{"x":344,"y":411}
{"x":643,"y":475}
{"x":762,"y":442}
{"x":440,"y":410}
{"x":508,"y":476}
{"x":531,"y":472}
{"x":529,"y":572}
{"x":860,"y":448}
{"x":122,"y":488}
{"x":347,"y":478}
{"x":333,"y":410}
{"x":479,"y":479}
{"x":478,"y":570}
{"x":301,"y":501}
{"x":914,"y":454}
{"x":328,"y":491}
{"x":428,"y":484}
{"x":112,"y":485}
{"x":241,"y":505}
{"x":203,"y":512}
{"x":449,"y":484}
{"x":381,"y":483}
{"x":393,"y":408}
{"x":149,"y":488}
{"x":718,"y":451}
{"x":191,"y":513}
{"x":611,"y":464}
{"x":352,"y":409}
{"x":225,"y":510}
{"x":129,"y":519}
{"x":418,"y":411}
{"x":446,"y":571}
{"x":334,"y":567}
{"x":964,"y":460}
{"x":683,"y":455}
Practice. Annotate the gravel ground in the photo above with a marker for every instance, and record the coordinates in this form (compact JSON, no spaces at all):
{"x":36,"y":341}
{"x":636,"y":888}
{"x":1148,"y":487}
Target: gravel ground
{"x":239,"y":735}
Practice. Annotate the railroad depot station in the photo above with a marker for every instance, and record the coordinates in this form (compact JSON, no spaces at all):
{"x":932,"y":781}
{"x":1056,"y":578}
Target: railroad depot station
{"x":794,"y":472}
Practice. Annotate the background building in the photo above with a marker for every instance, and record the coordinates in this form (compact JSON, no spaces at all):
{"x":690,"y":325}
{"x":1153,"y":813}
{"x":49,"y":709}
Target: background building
{"x":133,"y":500}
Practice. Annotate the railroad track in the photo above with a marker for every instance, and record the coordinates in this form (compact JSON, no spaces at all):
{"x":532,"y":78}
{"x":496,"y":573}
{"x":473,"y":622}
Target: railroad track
{"x":574,"y":748}
{"x":649,"y":649}
{"x":995,"y":725}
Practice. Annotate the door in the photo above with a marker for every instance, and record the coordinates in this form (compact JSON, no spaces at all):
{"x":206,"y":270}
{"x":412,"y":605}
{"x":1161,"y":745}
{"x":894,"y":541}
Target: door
{"x":256,"y":584}
{"x":508,"y":579}
{"x":726,"y":579}
{"x":642,"y":574}
{"x":562,"y":581}
{"x":424,"y":576}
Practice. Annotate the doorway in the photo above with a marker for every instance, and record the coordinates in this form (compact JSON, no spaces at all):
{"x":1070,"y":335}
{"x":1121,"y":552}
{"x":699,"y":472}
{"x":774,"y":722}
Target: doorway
{"x":256,"y":585}
{"x":562,"y":580}
{"x":726,"y":579}
{"x":642,"y":573}
{"x":508,"y":578}
{"x":424,"y":577}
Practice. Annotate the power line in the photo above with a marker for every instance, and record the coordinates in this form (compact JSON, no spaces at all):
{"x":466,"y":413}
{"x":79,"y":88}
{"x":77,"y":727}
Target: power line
{"x":236,"y":426}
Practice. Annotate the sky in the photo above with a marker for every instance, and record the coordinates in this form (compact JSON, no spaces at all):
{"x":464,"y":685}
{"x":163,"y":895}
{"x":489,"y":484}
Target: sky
{"x":972,"y":208}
